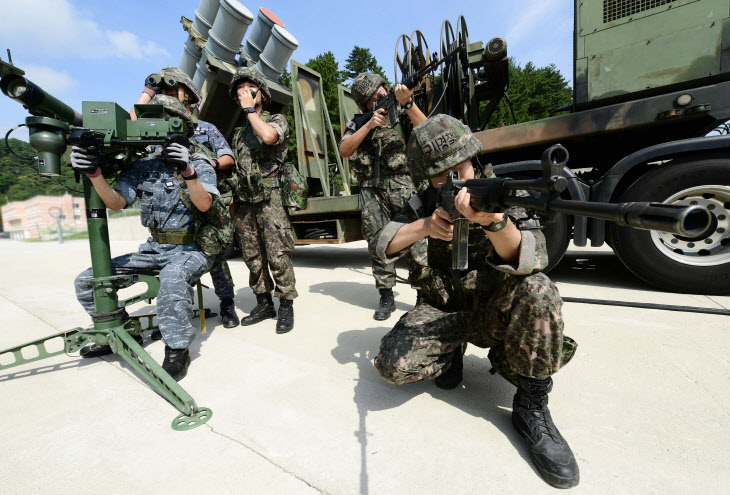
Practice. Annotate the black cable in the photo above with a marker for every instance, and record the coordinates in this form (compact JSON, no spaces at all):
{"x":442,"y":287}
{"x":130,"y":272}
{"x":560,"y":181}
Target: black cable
{"x":509,"y":103}
{"x":7,"y":145}
{"x":665,"y":307}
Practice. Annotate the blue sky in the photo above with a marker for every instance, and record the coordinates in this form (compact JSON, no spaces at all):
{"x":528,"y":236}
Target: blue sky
{"x":100,"y":50}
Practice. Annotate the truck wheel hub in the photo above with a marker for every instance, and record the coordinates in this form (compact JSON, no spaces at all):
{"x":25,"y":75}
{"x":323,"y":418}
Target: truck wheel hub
{"x":708,"y":251}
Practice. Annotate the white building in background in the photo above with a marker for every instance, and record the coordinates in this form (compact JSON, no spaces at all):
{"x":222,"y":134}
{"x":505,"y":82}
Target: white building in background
{"x":35,"y":218}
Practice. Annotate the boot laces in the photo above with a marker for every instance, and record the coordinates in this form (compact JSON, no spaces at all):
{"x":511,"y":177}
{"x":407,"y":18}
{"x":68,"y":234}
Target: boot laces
{"x":537,"y":408}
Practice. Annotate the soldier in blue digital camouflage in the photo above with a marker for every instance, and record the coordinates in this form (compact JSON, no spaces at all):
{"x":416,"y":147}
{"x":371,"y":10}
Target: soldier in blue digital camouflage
{"x":500,"y":300}
{"x":377,"y":153}
{"x":263,"y":227}
{"x":159,"y":184}
{"x":214,"y":149}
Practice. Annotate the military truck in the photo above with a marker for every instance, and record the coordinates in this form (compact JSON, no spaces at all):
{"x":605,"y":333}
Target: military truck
{"x":651,"y":82}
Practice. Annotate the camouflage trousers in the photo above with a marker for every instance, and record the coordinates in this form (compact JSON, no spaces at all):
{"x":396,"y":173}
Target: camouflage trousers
{"x":520,"y":321}
{"x":179,"y":271}
{"x":264,"y":232}
{"x":379,"y":206}
{"x":222,"y":280}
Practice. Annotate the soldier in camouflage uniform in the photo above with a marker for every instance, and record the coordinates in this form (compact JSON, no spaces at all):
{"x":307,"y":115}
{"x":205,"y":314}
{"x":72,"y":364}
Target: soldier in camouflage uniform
{"x":220,"y":156}
{"x":171,"y":249}
{"x":377,"y":153}
{"x":263,"y":227}
{"x":500,"y":301}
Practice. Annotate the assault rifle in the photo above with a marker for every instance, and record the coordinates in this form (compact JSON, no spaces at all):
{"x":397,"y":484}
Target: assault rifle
{"x":387,"y":101}
{"x":496,"y":195}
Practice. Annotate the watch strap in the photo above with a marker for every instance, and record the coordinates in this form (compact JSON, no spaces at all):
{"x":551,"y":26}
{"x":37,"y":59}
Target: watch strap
{"x":497,"y":226}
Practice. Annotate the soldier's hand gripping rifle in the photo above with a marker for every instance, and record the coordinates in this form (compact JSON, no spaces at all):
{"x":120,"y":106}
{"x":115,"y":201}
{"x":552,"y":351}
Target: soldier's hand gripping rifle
{"x":496,"y":195}
{"x":387,"y":101}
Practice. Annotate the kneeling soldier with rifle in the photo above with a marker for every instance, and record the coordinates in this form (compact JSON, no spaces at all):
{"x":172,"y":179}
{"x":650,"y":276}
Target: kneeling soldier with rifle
{"x":499,"y":301}
{"x":167,"y":188}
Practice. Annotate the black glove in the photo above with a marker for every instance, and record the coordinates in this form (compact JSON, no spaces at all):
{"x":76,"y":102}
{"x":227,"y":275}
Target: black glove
{"x":178,"y":156}
{"x":154,"y":82}
{"x":82,"y":161}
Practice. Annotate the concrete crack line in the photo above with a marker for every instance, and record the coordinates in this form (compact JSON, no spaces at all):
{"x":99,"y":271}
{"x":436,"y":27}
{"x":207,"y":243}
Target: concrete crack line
{"x":718,"y":303}
{"x":10,"y":301}
{"x":251,"y":449}
{"x":698,"y":385}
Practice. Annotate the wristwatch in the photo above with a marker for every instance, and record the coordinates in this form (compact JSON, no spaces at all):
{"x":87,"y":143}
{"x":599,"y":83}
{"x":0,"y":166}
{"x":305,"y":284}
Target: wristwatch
{"x":497,"y":226}
{"x":408,"y":105}
{"x":216,"y":163}
{"x":248,"y":110}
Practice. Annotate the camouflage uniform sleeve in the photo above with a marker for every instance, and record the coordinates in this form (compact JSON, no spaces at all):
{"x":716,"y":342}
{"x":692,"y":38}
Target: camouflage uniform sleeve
{"x":533,"y":251}
{"x":278,"y":122}
{"x":350,"y":129}
{"x":220,"y":145}
{"x":128,"y":181}
{"x":409,"y":214}
{"x":207,"y":178}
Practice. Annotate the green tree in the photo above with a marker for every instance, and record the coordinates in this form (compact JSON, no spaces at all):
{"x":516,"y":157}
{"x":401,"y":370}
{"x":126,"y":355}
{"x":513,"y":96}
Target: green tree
{"x":534,"y":92}
{"x":361,"y":60}
{"x":19,"y":179}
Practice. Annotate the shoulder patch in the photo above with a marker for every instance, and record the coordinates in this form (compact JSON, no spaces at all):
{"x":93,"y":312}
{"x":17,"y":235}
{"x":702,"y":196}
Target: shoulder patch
{"x":416,"y":205}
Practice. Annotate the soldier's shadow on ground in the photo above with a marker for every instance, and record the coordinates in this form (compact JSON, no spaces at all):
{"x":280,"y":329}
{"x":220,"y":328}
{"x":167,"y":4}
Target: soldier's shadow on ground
{"x":364,"y":295}
{"x":323,"y":256}
{"x":372,"y":393}
{"x":599,"y":269}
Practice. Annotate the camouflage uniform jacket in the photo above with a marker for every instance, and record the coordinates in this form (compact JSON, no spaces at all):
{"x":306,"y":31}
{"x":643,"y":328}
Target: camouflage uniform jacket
{"x":485,"y":271}
{"x":383,"y":149}
{"x":209,"y":136}
{"x":153,"y":183}
{"x":250,"y":150}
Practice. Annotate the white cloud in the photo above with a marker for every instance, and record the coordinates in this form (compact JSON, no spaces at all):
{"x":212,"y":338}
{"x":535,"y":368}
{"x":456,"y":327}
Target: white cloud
{"x":533,"y":17}
{"x":61,"y":30}
{"x":54,"y":82}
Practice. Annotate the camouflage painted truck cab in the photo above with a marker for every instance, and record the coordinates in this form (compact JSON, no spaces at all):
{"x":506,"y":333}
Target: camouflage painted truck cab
{"x":651,"y":83}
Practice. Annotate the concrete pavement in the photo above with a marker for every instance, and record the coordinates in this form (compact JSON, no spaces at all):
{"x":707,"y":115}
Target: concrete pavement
{"x":645,"y":404}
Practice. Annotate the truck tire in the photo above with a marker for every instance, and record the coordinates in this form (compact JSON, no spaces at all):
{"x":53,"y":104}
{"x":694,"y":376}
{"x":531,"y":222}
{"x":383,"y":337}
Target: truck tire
{"x":557,"y":236}
{"x":695,"y":266}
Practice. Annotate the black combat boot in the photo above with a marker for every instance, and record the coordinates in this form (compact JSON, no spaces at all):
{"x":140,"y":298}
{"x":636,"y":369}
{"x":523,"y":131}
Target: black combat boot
{"x":94,"y":350}
{"x":387,"y":305}
{"x":548,"y":449}
{"x":286,"y":316}
{"x":264,"y":309}
{"x":156,"y":334}
{"x":451,"y":378}
{"x":228,"y":313}
{"x":176,"y":363}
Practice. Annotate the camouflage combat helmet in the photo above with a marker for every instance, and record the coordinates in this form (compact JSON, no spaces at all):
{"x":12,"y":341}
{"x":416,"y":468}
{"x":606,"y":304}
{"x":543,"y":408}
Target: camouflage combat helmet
{"x":363,"y":87}
{"x":249,"y":74}
{"x":173,"y":107}
{"x":182,"y":78}
{"x":438,"y":144}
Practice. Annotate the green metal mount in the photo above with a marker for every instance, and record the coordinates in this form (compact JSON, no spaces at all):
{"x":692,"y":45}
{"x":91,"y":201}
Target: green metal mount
{"x":111,"y":324}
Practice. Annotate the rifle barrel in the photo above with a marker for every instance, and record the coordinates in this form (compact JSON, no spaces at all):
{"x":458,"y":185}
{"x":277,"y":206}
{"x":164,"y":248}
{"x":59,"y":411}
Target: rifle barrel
{"x":686,"y":221}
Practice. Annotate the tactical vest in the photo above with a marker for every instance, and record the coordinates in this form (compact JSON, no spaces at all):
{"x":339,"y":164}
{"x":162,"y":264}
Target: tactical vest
{"x":254,"y":188}
{"x":381,"y":154}
{"x":214,"y":228}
